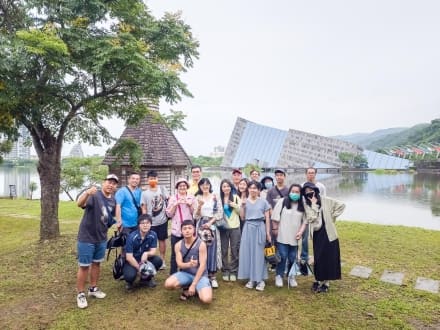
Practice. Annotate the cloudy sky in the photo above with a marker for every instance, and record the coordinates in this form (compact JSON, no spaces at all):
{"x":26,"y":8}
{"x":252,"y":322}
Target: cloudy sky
{"x":325,"y":67}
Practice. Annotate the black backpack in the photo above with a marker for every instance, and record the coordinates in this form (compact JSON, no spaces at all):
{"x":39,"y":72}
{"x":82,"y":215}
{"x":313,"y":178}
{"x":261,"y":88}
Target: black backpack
{"x":118,"y":240}
{"x":118,"y":266}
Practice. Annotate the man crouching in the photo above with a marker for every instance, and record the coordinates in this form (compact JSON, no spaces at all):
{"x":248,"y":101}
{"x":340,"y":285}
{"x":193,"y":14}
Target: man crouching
{"x":191,"y":259}
{"x":140,"y":249}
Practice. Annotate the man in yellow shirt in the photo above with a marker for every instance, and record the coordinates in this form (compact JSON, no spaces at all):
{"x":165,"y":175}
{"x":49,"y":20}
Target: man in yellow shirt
{"x":196,"y":173}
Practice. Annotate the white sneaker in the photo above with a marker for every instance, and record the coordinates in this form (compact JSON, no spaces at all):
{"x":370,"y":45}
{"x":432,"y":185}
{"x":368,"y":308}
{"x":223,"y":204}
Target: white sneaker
{"x":292,"y":282}
{"x":164,"y":266}
{"x":249,"y":285}
{"x":232,"y":277}
{"x":214,"y":283}
{"x":81,"y":300}
{"x":97,"y":293}
{"x":278,"y":281}
{"x":260,"y":286}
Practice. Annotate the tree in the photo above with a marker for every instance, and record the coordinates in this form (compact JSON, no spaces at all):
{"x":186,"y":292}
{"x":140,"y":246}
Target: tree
{"x":76,"y":172}
{"x":67,"y":65}
{"x":32,"y":187}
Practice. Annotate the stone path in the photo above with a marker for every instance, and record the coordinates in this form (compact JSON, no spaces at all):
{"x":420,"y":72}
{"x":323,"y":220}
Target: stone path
{"x":422,"y":283}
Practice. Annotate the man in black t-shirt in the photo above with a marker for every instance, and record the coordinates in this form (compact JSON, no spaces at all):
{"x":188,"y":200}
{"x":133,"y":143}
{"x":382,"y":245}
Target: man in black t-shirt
{"x":99,"y":211}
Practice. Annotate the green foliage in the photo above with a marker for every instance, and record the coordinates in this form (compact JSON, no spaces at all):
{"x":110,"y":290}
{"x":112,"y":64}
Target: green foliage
{"x":352,"y":160}
{"x":249,"y":167}
{"x":45,"y":272}
{"x":65,"y":66}
{"x":77,"y":172}
{"x":128,"y":148}
{"x":206,"y":161}
{"x":416,"y":135}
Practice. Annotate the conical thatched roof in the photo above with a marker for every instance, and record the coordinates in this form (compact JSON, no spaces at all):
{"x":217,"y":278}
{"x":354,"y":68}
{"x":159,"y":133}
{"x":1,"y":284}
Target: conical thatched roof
{"x":160,"y":146}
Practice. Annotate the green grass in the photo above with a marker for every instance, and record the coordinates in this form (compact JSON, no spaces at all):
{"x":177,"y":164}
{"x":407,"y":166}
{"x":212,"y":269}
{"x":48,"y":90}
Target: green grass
{"x":37,"y":285}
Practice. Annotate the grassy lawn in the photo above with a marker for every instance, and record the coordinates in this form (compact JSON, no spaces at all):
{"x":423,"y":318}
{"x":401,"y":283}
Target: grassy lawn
{"x":37,"y":285}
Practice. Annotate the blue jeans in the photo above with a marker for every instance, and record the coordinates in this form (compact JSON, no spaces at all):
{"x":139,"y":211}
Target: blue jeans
{"x":305,"y":245}
{"x":287,"y":253}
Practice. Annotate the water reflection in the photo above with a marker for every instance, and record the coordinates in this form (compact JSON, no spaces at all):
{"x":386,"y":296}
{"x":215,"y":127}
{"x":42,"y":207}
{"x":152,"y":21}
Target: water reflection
{"x":404,"y":198}
{"x":398,"y":199}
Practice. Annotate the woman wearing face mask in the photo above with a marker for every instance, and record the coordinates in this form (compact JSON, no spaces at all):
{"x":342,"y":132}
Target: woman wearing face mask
{"x":287,"y":220}
{"x":266,"y":185}
{"x":321,"y":213}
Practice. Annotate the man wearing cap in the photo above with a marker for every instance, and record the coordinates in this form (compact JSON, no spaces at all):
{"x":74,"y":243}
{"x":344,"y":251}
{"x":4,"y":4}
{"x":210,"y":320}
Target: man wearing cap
{"x":280,"y":189}
{"x":180,"y":207}
{"x":237,"y":175}
{"x":196,"y":174}
{"x":128,"y":201}
{"x":191,"y":256}
{"x":140,"y":247}
{"x":99,"y":210}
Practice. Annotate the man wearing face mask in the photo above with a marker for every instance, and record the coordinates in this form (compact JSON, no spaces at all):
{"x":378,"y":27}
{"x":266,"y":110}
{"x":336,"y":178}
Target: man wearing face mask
{"x":154,"y":203}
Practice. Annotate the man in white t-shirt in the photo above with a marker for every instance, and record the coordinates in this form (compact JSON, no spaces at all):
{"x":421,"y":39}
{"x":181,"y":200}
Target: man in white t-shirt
{"x":154,"y":202}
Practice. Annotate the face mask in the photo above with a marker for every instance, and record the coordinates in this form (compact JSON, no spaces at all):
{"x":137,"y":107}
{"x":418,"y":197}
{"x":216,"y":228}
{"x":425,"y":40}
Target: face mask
{"x":268,"y":185}
{"x":294,"y":197}
{"x":152,"y":183}
{"x":310,"y":195}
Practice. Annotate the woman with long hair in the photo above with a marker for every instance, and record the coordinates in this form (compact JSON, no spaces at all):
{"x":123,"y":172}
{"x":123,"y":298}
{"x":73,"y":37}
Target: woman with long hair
{"x":206,"y":213}
{"x":287,"y":218}
{"x":256,"y":231}
{"x":230,"y":236}
{"x":321,"y":213}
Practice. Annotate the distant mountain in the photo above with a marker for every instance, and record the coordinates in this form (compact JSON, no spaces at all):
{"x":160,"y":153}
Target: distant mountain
{"x":399,"y":136}
{"x":365,"y":139}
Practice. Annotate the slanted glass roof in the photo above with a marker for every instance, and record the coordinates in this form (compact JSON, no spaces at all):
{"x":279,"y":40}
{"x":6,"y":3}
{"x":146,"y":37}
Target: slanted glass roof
{"x":259,"y":142}
{"x":378,"y":160}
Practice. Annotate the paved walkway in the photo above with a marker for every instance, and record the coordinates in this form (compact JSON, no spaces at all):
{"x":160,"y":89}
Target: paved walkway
{"x":422,"y":283}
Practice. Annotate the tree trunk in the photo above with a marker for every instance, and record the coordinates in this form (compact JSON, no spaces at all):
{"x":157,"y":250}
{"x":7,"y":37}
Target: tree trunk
{"x":49,"y":169}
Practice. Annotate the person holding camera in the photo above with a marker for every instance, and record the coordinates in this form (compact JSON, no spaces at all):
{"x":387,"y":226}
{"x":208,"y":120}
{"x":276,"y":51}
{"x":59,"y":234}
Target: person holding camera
{"x":180,"y":207}
{"x":140,"y":251}
{"x":321,"y":213}
{"x":208,"y":210}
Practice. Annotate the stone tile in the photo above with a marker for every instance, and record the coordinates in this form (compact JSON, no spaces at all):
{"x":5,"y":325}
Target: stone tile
{"x":427,"y":284}
{"x":361,"y":271}
{"x":392,"y":277}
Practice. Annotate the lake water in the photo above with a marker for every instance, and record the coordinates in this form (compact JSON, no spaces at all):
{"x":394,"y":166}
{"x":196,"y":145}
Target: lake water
{"x":391,"y":199}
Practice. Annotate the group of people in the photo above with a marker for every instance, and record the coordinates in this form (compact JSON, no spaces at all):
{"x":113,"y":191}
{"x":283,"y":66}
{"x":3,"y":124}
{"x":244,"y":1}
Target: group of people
{"x":210,"y":231}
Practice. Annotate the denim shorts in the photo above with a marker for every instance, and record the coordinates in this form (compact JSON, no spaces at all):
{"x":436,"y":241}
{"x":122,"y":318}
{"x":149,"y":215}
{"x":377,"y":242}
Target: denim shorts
{"x":185,"y":279}
{"x":90,"y":252}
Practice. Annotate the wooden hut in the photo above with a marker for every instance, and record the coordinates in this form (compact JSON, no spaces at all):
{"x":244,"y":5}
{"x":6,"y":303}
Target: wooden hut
{"x":161,"y":152}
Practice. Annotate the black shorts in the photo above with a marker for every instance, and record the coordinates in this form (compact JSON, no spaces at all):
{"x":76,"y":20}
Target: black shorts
{"x":161,"y":231}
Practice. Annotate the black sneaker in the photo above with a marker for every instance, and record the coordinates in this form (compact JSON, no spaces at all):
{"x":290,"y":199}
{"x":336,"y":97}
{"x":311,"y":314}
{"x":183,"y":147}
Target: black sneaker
{"x":323,"y":288}
{"x":315,"y":287}
{"x":128,"y":286}
{"x":303,"y":268}
{"x":151,"y":283}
